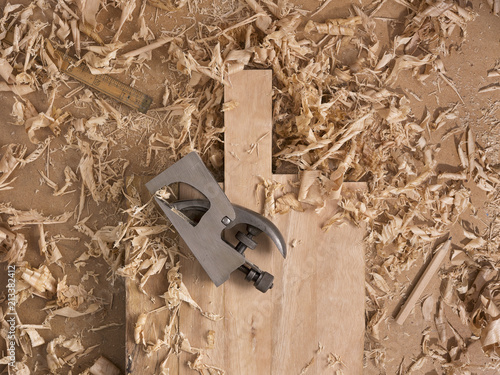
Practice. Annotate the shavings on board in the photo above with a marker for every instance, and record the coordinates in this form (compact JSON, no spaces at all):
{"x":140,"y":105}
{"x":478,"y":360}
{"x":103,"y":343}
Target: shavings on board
{"x":335,"y":119}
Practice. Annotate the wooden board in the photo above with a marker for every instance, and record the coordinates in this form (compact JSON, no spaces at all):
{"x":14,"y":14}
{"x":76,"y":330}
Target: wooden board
{"x":137,"y":360}
{"x":318,"y":297}
{"x":424,"y":280}
{"x":248,"y":324}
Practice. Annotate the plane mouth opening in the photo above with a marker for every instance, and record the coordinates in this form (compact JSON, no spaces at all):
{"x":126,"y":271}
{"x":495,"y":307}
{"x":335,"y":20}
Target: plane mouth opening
{"x":185,"y":200}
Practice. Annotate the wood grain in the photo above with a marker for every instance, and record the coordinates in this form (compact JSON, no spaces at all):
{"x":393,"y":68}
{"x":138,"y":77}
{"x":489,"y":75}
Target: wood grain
{"x":248,"y":323}
{"x":137,"y":360}
{"x":320,"y":297}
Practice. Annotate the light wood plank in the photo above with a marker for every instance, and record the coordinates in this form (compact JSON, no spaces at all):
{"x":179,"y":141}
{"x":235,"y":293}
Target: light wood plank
{"x":320,"y":297}
{"x":207,"y":295}
{"x":137,"y":361}
{"x":248,"y":312}
{"x":319,"y":290}
{"x":423,"y":281}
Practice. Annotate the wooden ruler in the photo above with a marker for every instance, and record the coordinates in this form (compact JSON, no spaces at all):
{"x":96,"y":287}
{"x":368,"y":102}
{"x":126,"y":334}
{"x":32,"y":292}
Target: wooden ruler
{"x":103,"y":83}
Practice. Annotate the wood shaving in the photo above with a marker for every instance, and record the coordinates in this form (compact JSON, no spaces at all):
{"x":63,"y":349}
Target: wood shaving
{"x":18,"y":217}
{"x":13,"y":245}
{"x":170,"y":5}
{"x":40,"y":279}
{"x":104,"y":366}
{"x":210,"y":339}
{"x":489,"y":88}
{"x":334,"y":26}
{"x":55,"y":362}
{"x":428,"y":307}
{"x":495,"y":6}
{"x":202,"y":367}
{"x":69,"y":312}
{"x":177,"y":293}
{"x":336,"y":363}
{"x":229,"y":106}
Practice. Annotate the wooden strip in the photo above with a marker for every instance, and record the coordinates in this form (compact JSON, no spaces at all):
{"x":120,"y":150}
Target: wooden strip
{"x":208,"y":296}
{"x":137,"y":360}
{"x":248,"y":312}
{"x":424,"y":280}
{"x":103,"y":83}
{"x":284,"y":307}
{"x":318,"y":297}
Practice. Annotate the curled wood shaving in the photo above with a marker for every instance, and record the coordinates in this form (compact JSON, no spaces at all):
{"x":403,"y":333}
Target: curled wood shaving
{"x":139,"y":329}
{"x":428,"y":307}
{"x":334,"y":26}
{"x":127,"y":7}
{"x":336,"y":220}
{"x":270,"y":188}
{"x":14,"y":245}
{"x":229,"y":106}
{"x":18,"y":217}
{"x":310,"y":190}
{"x":54,"y":362}
{"x":89,"y":30}
{"x":72,"y":295}
{"x":177,"y":293}
{"x":489,"y":88}
{"x":69,"y":312}
{"x":8,"y":163}
{"x":490,"y":337}
{"x":35,"y":338}
{"x":89,"y":9}
{"x":495,"y":6}
{"x":288,"y":202}
{"x":263,"y":21}
{"x":202,"y":367}
{"x":40,"y":279}
{"x":335,"y":362}
{"x":53,"y":120}
{"x":373,"y":326}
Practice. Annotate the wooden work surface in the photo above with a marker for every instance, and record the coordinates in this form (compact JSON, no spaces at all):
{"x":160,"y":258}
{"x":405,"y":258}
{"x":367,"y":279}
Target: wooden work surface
{"x":318,"y":295}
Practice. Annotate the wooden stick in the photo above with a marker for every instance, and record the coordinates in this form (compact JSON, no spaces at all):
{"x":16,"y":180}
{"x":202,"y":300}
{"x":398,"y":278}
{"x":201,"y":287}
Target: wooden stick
{"x":322,"y":6}
{"x":423,"y":281}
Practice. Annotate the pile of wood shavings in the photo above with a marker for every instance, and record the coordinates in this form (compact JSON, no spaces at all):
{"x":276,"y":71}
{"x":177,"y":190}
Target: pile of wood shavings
{"x":335,"y":122}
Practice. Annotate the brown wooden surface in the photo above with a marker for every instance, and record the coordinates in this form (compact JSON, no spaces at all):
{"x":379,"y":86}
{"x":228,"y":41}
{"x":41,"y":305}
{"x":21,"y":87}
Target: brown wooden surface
{"x":248,"y":312}
{"x":318,"y":297}
{"x":137,"y":360}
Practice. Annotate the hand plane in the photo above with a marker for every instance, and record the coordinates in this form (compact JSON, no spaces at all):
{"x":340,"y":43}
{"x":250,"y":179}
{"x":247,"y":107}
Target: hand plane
{"x":207,"y":237}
